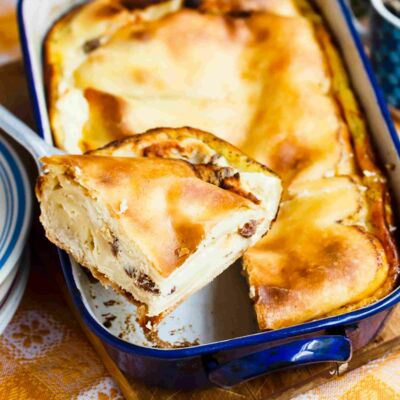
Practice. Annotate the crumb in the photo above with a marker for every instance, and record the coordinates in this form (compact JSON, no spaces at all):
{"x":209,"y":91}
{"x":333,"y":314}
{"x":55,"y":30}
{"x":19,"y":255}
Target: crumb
{"x":248,"y":229}
{"x":128,"y":327}
{"x":108,"y":319}
{"x":110,"y":303}
{"x":178,"y":330}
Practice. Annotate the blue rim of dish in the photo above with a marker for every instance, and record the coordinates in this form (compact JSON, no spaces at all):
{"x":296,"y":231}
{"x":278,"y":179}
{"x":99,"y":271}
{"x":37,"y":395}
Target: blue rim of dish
{"x":257,"y":338}
{"x":19,"y":229}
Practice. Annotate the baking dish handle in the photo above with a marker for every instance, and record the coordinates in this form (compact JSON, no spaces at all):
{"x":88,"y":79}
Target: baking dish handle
{"x":329,"y":348}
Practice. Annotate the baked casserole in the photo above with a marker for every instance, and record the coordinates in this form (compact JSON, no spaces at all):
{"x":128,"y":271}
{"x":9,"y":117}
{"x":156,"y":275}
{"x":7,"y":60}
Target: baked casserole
{"x":265,"y":76}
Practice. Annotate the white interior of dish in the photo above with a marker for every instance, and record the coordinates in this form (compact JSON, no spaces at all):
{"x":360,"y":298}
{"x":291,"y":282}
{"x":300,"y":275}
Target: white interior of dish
{"x":222,"y":310}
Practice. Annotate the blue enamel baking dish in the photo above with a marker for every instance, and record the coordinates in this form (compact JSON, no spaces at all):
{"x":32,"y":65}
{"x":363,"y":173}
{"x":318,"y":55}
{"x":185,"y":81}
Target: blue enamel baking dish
{"x":243,"y":353}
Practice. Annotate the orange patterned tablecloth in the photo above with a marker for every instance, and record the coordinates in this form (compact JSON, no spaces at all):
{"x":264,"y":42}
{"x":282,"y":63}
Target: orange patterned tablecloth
{"x":45,"y":355}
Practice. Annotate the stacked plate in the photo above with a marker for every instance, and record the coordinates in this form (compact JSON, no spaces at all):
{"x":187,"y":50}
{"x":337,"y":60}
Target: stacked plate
{"x":15,"y":217}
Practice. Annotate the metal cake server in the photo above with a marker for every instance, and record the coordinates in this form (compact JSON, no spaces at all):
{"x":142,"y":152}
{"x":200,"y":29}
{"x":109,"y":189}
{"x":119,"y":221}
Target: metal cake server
{"x":26,"y":137}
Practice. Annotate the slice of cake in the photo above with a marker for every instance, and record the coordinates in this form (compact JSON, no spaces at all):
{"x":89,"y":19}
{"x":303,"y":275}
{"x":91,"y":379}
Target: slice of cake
{"x":157,"y":216}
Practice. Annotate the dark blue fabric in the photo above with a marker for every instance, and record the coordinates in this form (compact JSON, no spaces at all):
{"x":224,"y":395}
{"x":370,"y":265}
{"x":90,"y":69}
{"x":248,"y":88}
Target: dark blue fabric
{"x":385,"y":57}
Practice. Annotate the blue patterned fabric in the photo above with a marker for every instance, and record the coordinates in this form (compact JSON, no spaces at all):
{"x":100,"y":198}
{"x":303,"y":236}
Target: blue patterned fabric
{"x":385,"y":57}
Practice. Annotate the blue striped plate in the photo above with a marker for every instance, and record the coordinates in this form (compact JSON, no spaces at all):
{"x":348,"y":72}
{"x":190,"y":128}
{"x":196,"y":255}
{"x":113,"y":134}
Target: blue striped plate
{"x":15,"y":208}
{"x":10,"y":302}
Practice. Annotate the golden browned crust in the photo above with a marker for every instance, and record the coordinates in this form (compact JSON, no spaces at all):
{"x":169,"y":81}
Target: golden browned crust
{"x":108,"y":112}
{"x":378,"y":196}
{"x":279,"y":305}
{"x":146,"y":144}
